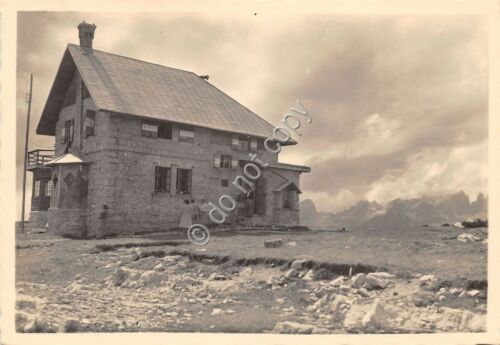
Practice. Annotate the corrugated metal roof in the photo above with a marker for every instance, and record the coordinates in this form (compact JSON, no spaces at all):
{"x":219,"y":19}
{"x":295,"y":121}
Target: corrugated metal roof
{"x":124,"y":85}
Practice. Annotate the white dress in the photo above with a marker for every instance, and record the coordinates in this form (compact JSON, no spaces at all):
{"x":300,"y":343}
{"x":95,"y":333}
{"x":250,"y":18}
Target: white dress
{"x":186,"y":216}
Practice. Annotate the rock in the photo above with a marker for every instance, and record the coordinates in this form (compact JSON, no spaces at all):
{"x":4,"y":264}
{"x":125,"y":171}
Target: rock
{"x":309,"y":276}
{"x":291,"y":244}
{"x":217,"y":276}
{"x":338,"y":302}
{"x":246,"y":272}
{"x":72,"y":326}
{"x":273,"y":243}
{"x":24,"y":302}
{"x":458,"y":225}
{"x":292,"y":328}
{"x":320,"y":330}
{"x":376,"y":318}
{"x":427,"y":278}
{"x":22,"y":319}
{"x":373,"y":283}
{"x":338,"y":281}
{"x":473,"y":293}
{"x":216,"y":311}
{"x":354,"y":316}
{"x":127,"y":259}
{"x":298,"y":264}
{"x":466,"y":237}
{"x":229,"y":311}
{"x":381,"y":275}
{"x":151,"y":278}
{"x":290,"y":273}
{"x":38,"y":325}
{"x":363,"y":292}
{"x":358,"y":280}
{"x":159,"y":267}
{"x":118,"y":277}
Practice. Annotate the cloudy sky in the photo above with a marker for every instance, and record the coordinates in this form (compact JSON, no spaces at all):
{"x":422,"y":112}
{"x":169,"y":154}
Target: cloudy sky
{"x":399,"y":103}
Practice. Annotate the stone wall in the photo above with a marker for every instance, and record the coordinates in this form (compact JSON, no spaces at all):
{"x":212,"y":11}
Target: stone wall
{"x":121,"y":173}
{"x":67,"y":222}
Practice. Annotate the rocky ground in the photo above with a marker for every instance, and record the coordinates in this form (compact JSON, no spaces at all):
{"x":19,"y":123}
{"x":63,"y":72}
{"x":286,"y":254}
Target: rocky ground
{"x":148,"y":289}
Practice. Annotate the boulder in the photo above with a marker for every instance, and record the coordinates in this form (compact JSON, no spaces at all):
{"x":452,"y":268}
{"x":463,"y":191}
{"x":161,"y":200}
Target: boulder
{"x":290,"y":273}
{"x":381,"y":275}
{"x":246,"y":272}
{"x":25,"y":302}
{"x":118,"y":277}
{"x":376,"y":318}
{"x":298,"y":264}
{"x":72,"y":326}
{"x":337,"y":303}
{"x":151,"y":278}
{"x":466,"y":237}
{"x":338,"y":281}
{"x":216,"y":311}
{"x":292,"y":328}
{"x":273,"y":243}
{"x":473,"y":293}
{"x":309,"y":276}
{"x":427,"y":278}
{"x":373,"y":283}
{"x":358,"y":280}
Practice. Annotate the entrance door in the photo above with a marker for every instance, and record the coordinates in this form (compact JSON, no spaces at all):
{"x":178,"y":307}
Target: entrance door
{"x":260,"y":196}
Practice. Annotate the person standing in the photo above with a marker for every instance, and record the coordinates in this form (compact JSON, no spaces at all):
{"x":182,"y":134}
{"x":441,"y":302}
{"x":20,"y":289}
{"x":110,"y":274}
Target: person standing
{"x":186,"y":215}
{"x":195,"y":210}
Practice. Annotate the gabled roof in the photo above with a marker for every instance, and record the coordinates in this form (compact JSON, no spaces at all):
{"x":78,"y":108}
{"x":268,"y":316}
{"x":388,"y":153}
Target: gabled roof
{"x":67,"y":158}
{"x":287,"y":185}
{"x":128,"y":86}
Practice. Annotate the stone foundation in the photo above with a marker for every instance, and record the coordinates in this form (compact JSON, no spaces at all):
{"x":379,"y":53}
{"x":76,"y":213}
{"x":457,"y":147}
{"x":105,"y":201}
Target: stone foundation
{"x":38,"y":220}
{"x":67,"y":222}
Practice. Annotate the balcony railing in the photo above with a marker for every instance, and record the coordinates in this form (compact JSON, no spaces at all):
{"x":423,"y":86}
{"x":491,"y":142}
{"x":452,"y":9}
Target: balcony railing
{"x":37,"y":158}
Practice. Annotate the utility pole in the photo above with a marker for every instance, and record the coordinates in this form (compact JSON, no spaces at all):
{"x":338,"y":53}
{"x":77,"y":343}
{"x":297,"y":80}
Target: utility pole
{"x":26,"y":152}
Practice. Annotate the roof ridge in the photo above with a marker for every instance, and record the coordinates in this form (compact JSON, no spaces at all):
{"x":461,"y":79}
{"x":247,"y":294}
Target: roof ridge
{"x":131,"y":58}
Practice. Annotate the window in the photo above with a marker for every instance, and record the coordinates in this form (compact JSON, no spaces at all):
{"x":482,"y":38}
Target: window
{"x":224,"y":183}
{"x":89,"y":123}
{"x":244,"y":143}
{"x":157,"y":130}
{"x":68,"y":131}
{"x":184,"y":181}
{"x":225,"y":161}
{"x":220,"y":138}
{"x":37,"y":188}
{"x":162,"y":180}
{"x":165,"y":130}
{"x":186,"y":135}
{"x":149,"y":130}
{"x":48,"y":188}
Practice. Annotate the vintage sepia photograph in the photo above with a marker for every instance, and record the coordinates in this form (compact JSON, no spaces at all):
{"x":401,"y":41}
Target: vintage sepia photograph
{"x":251,"y":172}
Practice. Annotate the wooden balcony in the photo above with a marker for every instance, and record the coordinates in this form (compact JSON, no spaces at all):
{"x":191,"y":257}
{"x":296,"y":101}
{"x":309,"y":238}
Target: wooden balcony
{"x":37,"y":158}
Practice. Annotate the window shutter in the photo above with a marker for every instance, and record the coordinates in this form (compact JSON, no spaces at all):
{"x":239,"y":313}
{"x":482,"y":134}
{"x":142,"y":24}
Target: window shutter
{"x":253,"y":144}
{"x":71,"y":130}
{"x":63,"y":134}
{"x":236,"y":142}
{"x":217,"y":160}
{"x":234,"y":163}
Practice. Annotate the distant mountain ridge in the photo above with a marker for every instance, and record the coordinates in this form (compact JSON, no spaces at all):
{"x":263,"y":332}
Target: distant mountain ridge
{"x":399,"y":212}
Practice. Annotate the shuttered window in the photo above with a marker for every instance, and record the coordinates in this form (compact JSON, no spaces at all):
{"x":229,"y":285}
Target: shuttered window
{"x":186,"y":135}
{"x":253,"y":144}
{"x":149,"y":130}
{"x":89,"y":123}
{"x":162,"y":179}
{"x":184,"y":177}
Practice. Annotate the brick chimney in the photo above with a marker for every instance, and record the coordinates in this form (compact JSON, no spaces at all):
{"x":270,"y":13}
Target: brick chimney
{"x":86,"y":34}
